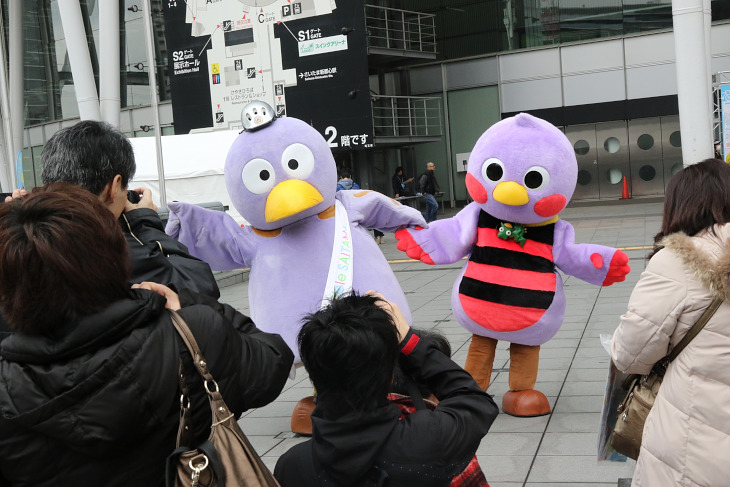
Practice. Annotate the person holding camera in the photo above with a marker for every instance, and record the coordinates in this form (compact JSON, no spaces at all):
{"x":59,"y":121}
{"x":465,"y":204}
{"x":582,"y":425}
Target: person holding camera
{"x":99,"y":158}
{"x":90,"y":382}
{"x":350,"y":349}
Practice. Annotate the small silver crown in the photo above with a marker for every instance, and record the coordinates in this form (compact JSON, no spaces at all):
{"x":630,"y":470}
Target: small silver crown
{"x":256,"y":115}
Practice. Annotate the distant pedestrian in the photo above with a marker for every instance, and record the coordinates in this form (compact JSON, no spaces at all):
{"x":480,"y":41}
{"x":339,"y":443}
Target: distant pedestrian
{"x":400,"y":183}
{"x":686,"y":435}
{"x":428,"y":187}
{"x":346,"y":182}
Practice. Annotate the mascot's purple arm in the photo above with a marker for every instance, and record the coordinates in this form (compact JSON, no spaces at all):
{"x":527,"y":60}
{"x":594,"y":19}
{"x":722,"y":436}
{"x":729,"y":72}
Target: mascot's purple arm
{"x":289,"y":270}
{"x":447,"y":241}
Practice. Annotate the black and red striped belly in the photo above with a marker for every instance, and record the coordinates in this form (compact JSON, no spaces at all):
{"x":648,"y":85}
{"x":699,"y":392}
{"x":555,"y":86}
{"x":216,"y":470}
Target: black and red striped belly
{"x":508,"y":287}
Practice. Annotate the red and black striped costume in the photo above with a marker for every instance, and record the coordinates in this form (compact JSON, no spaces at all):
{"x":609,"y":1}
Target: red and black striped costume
{"x":508,"y":287}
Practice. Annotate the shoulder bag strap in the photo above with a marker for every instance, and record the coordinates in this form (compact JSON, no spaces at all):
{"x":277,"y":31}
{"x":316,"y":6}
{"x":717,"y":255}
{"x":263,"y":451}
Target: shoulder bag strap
{"x":187,"y":336}
{"x":696,"y":328}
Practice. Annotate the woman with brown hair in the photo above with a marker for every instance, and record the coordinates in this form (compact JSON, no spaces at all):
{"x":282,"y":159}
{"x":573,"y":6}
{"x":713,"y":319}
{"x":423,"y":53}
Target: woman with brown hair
{"x":686,"y":436}
{"x":89,"y":389}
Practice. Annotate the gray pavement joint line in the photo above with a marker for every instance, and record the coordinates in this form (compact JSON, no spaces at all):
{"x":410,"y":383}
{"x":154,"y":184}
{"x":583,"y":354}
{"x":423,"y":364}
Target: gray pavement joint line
{"x":557,"y":399}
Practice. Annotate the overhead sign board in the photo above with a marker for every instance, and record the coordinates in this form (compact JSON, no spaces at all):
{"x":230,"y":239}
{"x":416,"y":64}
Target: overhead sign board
{"x":307,"y":59}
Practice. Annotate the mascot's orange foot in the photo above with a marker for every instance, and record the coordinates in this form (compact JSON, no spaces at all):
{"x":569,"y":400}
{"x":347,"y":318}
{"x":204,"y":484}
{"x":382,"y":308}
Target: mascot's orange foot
{"x":301,"y":418}
{"x":527,"y":403}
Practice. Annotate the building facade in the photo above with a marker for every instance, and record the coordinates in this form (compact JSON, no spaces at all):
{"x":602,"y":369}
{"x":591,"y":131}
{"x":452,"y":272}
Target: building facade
{"x":440,"y":73}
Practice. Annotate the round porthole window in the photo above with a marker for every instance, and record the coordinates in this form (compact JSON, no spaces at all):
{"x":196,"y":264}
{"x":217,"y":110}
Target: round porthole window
{"x":647,"y":173}
{"x":581,"y":147}
{"x":612,"y":145}
{"x":615,"y":176}
{"x":676,"y":168}
{"x":645,"y":142}
{"x":584,"y":177}
{"x":675,"y":139}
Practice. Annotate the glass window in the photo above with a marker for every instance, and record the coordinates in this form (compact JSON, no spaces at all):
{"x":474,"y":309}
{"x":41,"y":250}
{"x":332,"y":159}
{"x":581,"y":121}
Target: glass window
{"x":645,"y":142}
{"x":612,"y":145}
{"x":675,"y":139}
{"x":584,"y":177}
{"x":615,"y":175}
{"x":647,"y":172}
{"x":581,"y":147}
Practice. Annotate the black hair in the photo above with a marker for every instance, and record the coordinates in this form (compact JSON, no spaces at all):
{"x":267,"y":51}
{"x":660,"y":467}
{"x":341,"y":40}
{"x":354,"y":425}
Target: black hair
{"x":89,"y":154}
{"x":350,"y":349}
{"x":345,"y":174}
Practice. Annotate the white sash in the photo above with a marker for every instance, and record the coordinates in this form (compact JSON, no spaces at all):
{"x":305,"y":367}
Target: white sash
{"x":339,"y":277}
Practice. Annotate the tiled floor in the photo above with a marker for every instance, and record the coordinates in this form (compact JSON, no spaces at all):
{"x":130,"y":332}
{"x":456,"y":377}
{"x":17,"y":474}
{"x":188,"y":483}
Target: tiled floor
{"x":554,"y":450}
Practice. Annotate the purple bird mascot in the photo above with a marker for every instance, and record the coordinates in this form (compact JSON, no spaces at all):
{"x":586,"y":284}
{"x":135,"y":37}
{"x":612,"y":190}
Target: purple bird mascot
{"x":305,"y":242}
{"x":521,"y":174}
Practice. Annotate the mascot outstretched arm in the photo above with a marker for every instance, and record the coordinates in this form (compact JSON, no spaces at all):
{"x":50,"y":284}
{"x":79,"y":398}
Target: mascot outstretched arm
{"x":521,"y":174}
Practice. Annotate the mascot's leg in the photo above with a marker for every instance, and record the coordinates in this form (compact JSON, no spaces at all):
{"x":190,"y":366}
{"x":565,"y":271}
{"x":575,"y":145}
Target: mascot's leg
{"x":522,"y":399}
{"x":480,"y":359}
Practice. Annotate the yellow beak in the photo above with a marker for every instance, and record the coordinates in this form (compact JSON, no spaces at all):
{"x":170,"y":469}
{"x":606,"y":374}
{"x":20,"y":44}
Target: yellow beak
{"x":289,"y":198}
{"x":511,"y":193}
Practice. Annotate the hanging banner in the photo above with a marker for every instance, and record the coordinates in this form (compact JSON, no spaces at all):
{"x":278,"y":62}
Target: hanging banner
{"x":725,"y":121}
{"x":307,"y":59}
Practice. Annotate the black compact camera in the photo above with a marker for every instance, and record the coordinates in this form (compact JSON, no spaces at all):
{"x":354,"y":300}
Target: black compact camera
{"x":133,"y":196}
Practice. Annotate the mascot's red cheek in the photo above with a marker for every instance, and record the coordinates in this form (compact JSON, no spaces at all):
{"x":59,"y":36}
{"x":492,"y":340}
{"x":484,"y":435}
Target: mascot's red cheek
{"x":476,"y":190}
{"x":550,"y":205}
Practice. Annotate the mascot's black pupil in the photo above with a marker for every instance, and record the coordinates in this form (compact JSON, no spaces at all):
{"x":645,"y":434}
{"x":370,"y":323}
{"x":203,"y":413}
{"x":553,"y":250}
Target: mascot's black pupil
{"x":533,"y":179}
{"x":264,"y":175}
{"x":494,"y":172}
{"x":293,"y":164}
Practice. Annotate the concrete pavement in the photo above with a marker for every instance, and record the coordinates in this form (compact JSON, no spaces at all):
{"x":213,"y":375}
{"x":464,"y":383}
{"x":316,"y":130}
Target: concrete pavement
{"x":554,"y":450}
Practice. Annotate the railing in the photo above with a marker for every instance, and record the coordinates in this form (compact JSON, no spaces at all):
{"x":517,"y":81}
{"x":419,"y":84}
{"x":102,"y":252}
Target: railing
{"x":390,"y":28}
{"x":406,"y":116}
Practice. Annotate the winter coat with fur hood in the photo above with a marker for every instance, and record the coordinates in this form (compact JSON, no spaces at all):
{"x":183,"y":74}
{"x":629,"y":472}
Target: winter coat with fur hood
{"x":687,"y":434}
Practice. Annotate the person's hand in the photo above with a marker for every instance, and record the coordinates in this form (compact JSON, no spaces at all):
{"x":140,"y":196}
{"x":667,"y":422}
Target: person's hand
{"x":17,"y":193}
{"x":173,"y":300}
{"x":395,"y":313}
{"x":145,"y":200}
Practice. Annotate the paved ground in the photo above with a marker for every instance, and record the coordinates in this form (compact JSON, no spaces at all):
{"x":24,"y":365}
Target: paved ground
{"x":554,"y":450}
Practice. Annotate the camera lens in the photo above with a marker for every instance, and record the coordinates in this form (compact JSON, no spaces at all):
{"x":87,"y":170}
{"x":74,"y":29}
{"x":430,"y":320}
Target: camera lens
{"x":132,"y":196}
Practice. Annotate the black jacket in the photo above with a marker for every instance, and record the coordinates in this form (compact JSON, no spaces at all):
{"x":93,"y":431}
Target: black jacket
{"x":99,"y":404}
{"x":157,"y":257}
{"x":426,"y":448}
{"x":427,"y":183}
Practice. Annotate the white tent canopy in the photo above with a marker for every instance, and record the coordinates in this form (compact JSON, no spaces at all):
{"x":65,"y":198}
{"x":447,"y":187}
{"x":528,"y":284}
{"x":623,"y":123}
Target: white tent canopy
{"x":193,"y":167}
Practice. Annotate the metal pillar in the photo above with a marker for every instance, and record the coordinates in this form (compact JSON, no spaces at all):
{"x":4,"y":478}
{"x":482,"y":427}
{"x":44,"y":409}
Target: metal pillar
{"x":109,"y":65}
{"x":6,"y":175}
{"x":17,"y":91}
{"x":447,"y":128}
{"x":80,"y":60}
{"x":693,"y":80}
{"x":153,"y":99}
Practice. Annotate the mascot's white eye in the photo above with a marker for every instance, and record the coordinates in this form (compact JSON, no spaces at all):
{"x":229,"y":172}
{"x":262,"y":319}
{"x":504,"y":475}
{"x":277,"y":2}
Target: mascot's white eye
{"x":493,"y":169}
{"x":537,"y":178}
{"x":258,"y":176}
{"x":298,"y":161}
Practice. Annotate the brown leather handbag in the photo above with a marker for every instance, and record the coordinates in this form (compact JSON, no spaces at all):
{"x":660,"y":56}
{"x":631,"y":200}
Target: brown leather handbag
{"x":642,"y":392}
{"x":226,"y":458}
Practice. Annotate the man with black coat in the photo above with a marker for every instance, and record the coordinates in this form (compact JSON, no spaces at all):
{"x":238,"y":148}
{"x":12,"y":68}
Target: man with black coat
{"x":350,"y":349}
{"x":428,"y":187}
{"x":99,"y":158}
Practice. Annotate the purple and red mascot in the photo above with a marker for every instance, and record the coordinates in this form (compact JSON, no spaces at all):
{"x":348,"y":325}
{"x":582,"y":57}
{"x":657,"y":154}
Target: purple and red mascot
{"x":521,"y":174}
